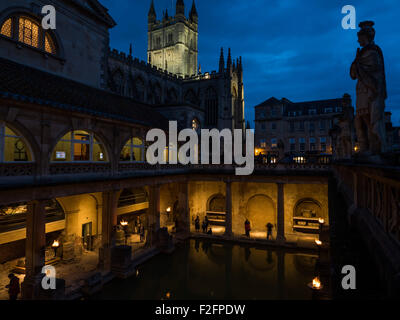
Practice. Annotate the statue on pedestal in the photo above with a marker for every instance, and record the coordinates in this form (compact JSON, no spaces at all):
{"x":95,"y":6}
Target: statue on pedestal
{"x":369,"y":69}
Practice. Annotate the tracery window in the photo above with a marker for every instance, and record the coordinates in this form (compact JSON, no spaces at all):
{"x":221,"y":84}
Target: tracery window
{"x":13,"y":147}
{"x":6,"y":28}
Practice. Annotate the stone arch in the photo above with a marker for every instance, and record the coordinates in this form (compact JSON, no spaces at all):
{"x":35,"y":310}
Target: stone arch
{"x":139,"y":89}
{"x":172,"y":96}
{"x":308,"y":208}
{"x":260,"y":210}
{"x":118,"y":81}
{"x":157,"y":93}
{"x":216,"y":203}
{"x":190,"y":97}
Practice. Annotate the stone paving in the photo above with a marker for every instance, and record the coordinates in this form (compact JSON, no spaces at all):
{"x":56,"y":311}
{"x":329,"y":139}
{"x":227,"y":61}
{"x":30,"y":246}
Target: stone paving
{"x":74,"y":273}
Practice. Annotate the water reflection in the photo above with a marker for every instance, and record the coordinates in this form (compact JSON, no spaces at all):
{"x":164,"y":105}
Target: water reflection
{"x":206,"y":270}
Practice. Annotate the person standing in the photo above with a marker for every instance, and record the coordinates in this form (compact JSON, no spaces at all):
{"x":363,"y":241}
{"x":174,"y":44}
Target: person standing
{"x":197,"y":224}
{"x":247,"y":228}
{"x":13,"y":287}
{"x":269,"y":230}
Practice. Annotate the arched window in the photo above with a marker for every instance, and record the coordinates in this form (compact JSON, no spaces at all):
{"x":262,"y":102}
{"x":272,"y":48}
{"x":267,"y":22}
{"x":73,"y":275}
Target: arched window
{"x":29,"y":32}
{"x":6,"y":28}
{"x":79,"y":146}
{"x":13,"y":147}
{"x":133,"y":151}
{"x":211,"y":102}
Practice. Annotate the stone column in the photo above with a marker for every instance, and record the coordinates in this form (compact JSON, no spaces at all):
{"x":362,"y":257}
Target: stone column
{"x":108,"y":222}
{"x":184,"y":222}
{"x":281,"y":214}
{"x":35,"y":249}
{"x":153,"y":215}
{"x":228,"y":209}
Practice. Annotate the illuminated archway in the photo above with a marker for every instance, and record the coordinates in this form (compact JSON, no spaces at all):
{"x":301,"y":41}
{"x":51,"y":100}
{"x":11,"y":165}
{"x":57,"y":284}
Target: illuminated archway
{"x":260,"y":211}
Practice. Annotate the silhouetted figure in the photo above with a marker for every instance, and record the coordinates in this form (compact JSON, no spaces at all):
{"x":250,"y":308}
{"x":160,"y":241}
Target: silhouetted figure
{"x":209,"y":231}
{"x":142,"y":233}
{"x":13,"y":287}
{"x":204,"y":226}
{"x":269,"y":230}
{"x":247,"y":227}
{"x":207,"y":222}
{"x":197,"y":224}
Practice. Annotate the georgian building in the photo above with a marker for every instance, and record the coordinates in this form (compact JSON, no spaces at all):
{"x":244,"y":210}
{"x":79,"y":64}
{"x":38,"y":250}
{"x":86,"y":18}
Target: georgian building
{"x":298,"y":127}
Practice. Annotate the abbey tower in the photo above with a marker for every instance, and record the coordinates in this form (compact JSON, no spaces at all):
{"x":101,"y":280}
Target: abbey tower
{"x":173,"y":41}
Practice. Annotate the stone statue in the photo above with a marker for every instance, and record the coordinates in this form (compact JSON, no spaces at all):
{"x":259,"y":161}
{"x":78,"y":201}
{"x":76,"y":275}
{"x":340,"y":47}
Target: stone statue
{"x":342,"y":133}
{"x":368,"y":68}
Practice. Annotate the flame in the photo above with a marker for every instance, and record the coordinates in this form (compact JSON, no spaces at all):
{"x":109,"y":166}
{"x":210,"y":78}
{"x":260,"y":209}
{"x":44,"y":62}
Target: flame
{"x":168,"y":295}
{"x":321,"y":220}
{"x":169,"y":209}
{"x":124,"y":223}
{"x":316,"y":283}
{"x":56,"y":244}
{"x":318,"y":242}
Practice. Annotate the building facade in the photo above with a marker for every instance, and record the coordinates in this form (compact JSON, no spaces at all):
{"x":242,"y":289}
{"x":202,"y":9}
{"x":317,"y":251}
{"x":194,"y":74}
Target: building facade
{"x":297,"y":128}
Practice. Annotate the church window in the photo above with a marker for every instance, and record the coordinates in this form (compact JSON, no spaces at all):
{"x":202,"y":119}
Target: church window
{"x":6,"y":28}
{"x":211,"y":103}
{"x":133,"y":151}
{"x":13,"y":147}
{"x":79,"y":146}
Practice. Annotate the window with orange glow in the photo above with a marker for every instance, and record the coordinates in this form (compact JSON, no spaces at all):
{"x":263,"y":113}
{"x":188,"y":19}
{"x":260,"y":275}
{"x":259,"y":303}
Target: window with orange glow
{"x":28,"y":32}
{"x":6,"y":28}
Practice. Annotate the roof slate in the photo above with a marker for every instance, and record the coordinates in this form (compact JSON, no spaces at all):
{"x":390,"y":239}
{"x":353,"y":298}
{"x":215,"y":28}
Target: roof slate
{"x":24,"y":83}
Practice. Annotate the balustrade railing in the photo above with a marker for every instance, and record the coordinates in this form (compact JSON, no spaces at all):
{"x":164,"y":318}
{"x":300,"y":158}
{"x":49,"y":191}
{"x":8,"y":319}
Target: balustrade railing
{"x":374,"y":189}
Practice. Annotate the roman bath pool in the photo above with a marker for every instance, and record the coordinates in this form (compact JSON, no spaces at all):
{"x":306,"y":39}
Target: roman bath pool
{"x":200,"y":269}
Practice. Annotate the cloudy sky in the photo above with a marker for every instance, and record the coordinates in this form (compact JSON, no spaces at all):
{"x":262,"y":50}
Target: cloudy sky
{"x":295,"y":49}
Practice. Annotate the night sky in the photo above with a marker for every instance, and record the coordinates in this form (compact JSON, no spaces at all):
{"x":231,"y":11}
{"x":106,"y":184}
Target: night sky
{"x":295,"y":49}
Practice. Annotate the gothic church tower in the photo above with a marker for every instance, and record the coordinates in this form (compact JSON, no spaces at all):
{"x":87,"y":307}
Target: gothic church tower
{"x":173,"y":41}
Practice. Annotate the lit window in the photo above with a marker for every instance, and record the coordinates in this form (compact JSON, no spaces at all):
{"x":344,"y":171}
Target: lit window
{"x":274,"y":143}
{"x":263,"y":143}
{"x":28,"y":32}
{"x":79,"y":146}
{"x":13,"y":147}
{"x":195,"y":124}
{"x":133,"y":151}
{"x":49,"y":44}
{"x":6,"y":28}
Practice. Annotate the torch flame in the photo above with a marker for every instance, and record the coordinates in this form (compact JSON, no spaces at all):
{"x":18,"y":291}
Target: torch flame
{"x":124,"y":223}
{"x":318,"y":242}
{"x":321,"y":221}
{"x":56,"y":244}
{"x":316,"y":283}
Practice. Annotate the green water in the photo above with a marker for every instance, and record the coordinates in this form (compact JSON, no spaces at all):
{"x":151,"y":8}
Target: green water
{"x":209,"y":270}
